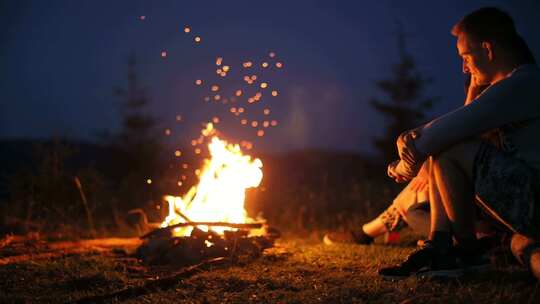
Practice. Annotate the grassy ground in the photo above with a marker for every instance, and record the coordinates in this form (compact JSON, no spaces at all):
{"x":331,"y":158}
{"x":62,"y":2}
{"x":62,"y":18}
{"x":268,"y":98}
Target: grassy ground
{"x":298,"y":270}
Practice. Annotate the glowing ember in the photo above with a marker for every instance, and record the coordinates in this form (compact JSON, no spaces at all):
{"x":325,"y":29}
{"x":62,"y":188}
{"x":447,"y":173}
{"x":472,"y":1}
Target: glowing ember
{"x":220,"y":194}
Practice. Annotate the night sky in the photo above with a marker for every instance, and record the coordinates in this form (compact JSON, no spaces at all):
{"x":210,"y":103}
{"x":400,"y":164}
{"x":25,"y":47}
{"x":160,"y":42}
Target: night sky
{"x":60,"y":60}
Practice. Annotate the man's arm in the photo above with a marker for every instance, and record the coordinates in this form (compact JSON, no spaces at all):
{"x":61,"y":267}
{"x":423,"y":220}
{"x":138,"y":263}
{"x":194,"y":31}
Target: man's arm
{"x":514,"y":99}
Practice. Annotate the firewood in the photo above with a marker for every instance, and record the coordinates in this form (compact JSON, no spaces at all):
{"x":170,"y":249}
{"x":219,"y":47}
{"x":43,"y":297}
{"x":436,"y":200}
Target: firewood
{"x":211,"y":224}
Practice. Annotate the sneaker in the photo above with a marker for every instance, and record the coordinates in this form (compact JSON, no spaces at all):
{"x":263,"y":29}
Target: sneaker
{"x":350,"y":237}
{"x":473,"y":262}
{"x":426,"y":262}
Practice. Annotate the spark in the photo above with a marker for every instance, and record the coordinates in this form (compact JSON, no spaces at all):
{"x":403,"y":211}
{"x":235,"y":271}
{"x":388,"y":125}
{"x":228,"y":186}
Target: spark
{"x":238,"y":93}
{"x":215,"y":88}
{"x":215,"y":120}
{"x":197,"y":151}
{"x":198,"y":82}
{"x":266,"y":124}
{"x":219,"y":60}
{"x":149,"y":181}
{"x":240,"y":110}
{"x":167,"y":132}
{"x":143,"y":17}
{"x":279,"y":65}
{"x":264,"y":64}
{"x":274,"y":93}
{"x":185,"y":166}
{"x":243,"y":121}
{"x":217,"y":97}
{"x":254,"y":123}
{"x":273,"y":123}
{"x":264,"y":85}
{"x":266,"y":111}
{"x":178,"y":117}
{"x":163,"y":54}
{"x":179,"y":184}
{"x":197,"y":39}
{"x":226,"y":68}
{"x":177,"y":153}
{"x":187,"y":29}
{"x":260,"y":133}
{"x":272,"y":54}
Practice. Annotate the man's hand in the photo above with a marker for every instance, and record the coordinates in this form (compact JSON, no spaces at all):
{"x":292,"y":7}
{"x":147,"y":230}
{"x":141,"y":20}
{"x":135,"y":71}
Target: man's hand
{"x":398,"y":172}
{"x":405,"y":146}
{"x":475,"y":89}
{"x":421,"y":182}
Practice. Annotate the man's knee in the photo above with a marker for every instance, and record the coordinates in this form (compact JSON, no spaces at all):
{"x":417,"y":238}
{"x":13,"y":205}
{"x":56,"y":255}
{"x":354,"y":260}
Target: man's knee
{"x":527,"y":252}
{"x":459,"y":156}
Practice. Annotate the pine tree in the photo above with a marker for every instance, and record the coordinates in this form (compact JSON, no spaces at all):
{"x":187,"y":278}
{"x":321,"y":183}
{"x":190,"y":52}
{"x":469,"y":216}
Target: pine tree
{"x":138,"y":149}
{"x":404,"y":106}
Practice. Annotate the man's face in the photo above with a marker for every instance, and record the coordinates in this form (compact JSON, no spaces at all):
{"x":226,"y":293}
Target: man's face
{"x":476,"y":60}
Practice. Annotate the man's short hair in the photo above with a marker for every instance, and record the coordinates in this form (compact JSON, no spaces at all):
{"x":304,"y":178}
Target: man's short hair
{"x":494,"y":25}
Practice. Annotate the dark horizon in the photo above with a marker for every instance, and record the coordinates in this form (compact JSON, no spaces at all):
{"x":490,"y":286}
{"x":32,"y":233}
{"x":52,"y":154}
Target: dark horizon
{"x":61,"y":62}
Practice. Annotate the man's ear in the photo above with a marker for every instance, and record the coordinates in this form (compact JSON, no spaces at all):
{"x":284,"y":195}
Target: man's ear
{"x":488,"y":49}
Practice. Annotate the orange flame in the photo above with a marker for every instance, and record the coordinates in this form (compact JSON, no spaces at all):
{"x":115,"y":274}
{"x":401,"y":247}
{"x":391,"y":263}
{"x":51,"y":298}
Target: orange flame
{"x":220,"y":194}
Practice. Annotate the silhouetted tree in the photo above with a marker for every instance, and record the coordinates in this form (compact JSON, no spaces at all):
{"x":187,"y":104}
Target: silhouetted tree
{"x":138,"y":149}
{"x":404,"y":106}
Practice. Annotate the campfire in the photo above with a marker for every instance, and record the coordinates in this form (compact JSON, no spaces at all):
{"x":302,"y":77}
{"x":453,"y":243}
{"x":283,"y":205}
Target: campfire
{"x":210,"y":220}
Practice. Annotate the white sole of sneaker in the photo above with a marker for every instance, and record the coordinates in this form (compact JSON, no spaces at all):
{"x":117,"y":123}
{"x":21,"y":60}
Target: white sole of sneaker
{"x":393,"y":278}
{"x":453,"y":273}
{"x":479,"y":268}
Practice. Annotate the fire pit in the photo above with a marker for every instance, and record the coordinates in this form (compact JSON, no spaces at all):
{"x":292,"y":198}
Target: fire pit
{"x":162,"y":247}
{"x":210,"y":221}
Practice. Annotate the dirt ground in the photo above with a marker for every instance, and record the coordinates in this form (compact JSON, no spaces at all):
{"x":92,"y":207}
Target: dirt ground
{"x":297,"y":270}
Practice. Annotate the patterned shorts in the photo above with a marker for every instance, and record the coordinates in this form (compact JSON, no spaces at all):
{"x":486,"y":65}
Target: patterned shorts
{"x":508,"y":190}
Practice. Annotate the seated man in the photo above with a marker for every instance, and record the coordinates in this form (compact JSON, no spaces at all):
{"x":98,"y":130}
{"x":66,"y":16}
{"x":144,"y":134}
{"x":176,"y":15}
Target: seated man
{"x":506,"y":182}
{"x":411,"y":205}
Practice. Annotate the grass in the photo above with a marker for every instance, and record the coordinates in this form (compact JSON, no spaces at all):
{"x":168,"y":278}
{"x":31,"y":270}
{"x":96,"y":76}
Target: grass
{"x":298,"y":270}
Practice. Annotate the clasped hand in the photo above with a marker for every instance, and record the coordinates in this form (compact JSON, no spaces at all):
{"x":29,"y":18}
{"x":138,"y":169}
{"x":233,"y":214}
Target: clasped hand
{"x":410,"y":162}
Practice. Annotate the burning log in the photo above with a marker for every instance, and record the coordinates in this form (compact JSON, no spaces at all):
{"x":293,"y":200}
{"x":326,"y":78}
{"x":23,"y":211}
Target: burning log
{"x":162,"y":247}
{"x":209,"y":224}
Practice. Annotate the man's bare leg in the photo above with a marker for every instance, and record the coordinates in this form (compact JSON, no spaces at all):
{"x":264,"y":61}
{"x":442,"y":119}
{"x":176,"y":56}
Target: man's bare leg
{"x":453,"y":188}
